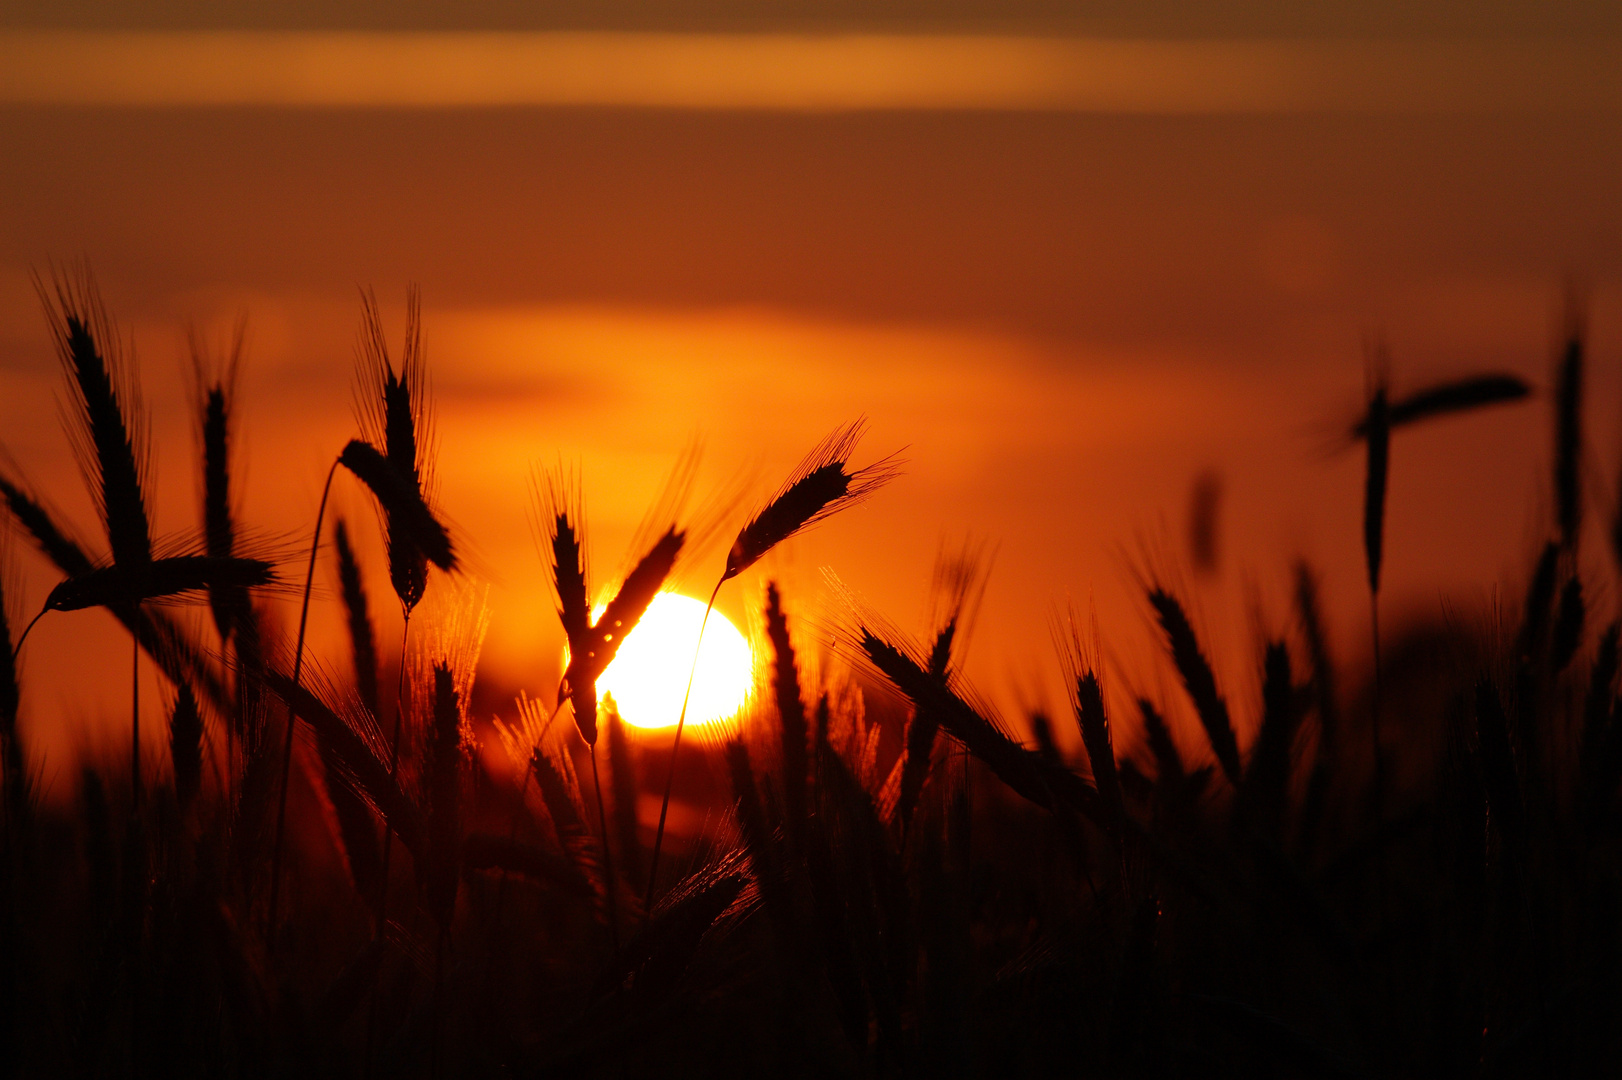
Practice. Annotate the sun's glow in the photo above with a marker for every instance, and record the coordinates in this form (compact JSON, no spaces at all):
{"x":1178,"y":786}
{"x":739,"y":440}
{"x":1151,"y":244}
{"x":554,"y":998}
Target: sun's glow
{"x":649,"y":674}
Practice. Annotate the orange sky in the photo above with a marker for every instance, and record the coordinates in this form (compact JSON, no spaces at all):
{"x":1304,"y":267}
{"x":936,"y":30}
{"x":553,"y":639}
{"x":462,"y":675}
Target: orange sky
{"x":1062,"y":316}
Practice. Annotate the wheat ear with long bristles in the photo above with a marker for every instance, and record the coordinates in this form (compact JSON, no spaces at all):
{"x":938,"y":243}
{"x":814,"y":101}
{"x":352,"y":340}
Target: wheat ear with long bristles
{"x":820,"y":486}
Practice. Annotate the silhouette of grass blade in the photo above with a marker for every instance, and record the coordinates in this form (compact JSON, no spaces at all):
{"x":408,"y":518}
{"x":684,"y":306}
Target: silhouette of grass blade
{"x":1539,"y":600}
{"x":1378,"y":435}
{"x":1198,"y":681}
{"x":758,"y":840}
{"x":1169,"y":768}
{"x":1030,"y":776}
{"x":369,"y":773}
{"x":623,"y":781}
{"x":125,"y":584}
{"x":357,"y":829}
{"x":1323,"y":695}
{"x":1262,"y":794}
{"x":401,"y":501}
{"x":819,"y":487}
{"x":362,"y":638}
{"x":185,"y":746}
{"x":13,"y":773}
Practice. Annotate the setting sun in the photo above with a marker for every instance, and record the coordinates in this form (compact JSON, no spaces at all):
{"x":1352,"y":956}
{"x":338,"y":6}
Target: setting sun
{"x":649,"y":674}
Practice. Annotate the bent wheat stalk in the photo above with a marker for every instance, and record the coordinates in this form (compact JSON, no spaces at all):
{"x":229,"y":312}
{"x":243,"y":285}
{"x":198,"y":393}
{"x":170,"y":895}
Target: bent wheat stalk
{"x":820,"y":486}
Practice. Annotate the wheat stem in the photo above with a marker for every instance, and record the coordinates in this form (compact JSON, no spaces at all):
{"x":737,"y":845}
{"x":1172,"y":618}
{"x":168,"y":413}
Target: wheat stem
{"x":670,"y":775}
{"x":287,"y":743}
{"x":608,"y":853}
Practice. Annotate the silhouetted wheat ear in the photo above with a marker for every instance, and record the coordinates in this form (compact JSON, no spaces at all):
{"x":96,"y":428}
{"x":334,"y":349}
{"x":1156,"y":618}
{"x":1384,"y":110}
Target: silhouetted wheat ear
{"x":216,"y":394}
{"x":1568,"y":441}
{"x":358,"y":616}
{"x":790,"y":712}
{"x":1027,"y":773}
{"x":1262,"y":795}
{"x":1169,"y":768}
{"x":569,"y":578}
{"x":400,"y":501}
{"x":38,"y":522}
{"x":123,"y":584}
{"x":106,"y":427}
{"x":818,"y":487}
{"x":555,"y":790}
{"x":1532,"y":640}
{"x":1095,"y":737}
{"x":186,"y":746}
{"x":562,"y":514}
{"x":619,"y":618}
{"x":1198,"y":681}
{"x":169,"y":646}
{"x":394,"y":411}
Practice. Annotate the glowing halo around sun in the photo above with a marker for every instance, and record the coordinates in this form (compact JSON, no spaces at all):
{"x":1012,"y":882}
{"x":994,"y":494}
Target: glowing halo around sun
{"x":649,"y":673}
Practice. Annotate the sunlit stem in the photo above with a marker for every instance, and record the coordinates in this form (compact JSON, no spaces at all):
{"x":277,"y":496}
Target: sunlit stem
{"x":608,"y":854}
{"x":287,"y":744}
{"x":670,"y":775}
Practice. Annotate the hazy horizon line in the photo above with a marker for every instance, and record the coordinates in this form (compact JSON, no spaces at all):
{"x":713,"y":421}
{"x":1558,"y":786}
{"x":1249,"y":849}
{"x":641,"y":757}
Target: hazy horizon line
{"x":805,"y":72}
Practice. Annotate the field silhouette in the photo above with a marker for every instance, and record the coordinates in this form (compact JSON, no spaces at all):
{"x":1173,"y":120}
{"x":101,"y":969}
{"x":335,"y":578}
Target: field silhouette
{"x":1408,"y":870}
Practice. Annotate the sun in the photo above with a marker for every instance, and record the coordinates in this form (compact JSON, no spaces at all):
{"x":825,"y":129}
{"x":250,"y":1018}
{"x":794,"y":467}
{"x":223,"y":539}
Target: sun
{"x":649,"y":674}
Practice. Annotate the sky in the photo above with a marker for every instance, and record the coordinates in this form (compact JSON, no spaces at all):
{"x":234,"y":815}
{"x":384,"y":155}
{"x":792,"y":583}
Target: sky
{"x":1059,"y":299}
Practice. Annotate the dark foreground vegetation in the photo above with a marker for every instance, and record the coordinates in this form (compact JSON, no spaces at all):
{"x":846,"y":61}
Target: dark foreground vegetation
{"x":1418,"y":875}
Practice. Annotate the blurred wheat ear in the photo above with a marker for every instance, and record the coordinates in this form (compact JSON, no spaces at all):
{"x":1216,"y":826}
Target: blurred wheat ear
{"x":1198,"y":681}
